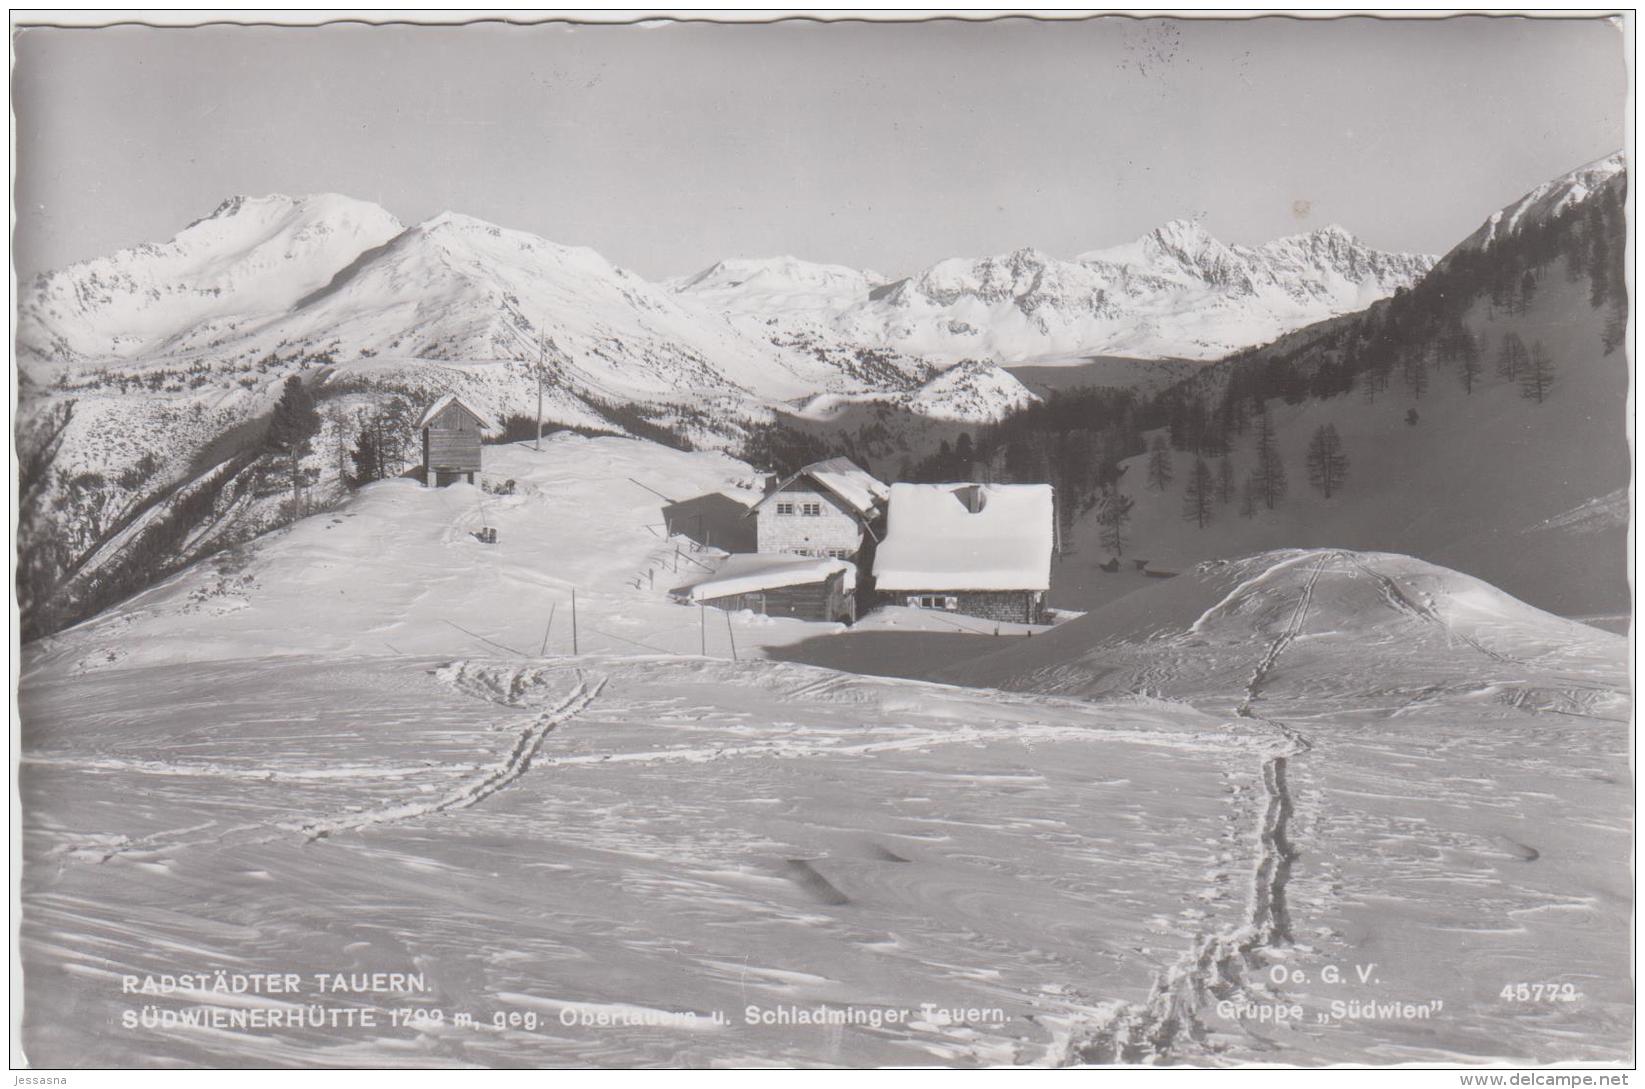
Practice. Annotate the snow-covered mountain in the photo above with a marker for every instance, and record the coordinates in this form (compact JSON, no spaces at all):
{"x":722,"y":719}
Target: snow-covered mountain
{"x":1449,"y":458}
{"x":973,"y":391}
{"x":763,"y":287}
{"x":1546,"y":200}
{"x":250,"y":260}
{"x":1176,"y":292}
{"x":144,"y":374}
{"x":339,"y":279}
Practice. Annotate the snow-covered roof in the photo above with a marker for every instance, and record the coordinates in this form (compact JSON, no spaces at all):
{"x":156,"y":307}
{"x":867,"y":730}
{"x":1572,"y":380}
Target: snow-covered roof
{"x":849,"y":482}
{"x":486,"y":422}
{"x":751,"y":572}
{"x":966,"y":537}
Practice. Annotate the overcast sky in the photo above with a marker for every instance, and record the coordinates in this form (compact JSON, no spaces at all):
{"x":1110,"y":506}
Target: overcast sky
{"x":669,"y":147}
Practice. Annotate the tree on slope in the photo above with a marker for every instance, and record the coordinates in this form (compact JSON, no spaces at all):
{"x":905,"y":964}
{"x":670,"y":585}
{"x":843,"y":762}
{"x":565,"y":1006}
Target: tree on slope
{"x":1414,"y":367}
{"x":294,"y":423}
{"x":1225,"y":479}
{"x":1250,"y":497}
{"x":1538,"y":375}
{"x":1327,"y":464}
{"x":1511,"y":357}
{"x":371,"y":453}
{"x":1113,"y":515}
{"x":1160,"y":471}
{"x":1468,"y":371}
{"x":1200,"y":494}
{"x":1270,"y":471}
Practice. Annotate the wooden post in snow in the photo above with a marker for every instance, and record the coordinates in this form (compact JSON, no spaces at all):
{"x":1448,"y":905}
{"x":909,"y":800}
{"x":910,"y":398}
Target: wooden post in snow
{"x":733,"y":635}
{"x":552,"y":606}
{"x":573,"y":621}
{"x":542,"y":360}
{"x":702,"y":615}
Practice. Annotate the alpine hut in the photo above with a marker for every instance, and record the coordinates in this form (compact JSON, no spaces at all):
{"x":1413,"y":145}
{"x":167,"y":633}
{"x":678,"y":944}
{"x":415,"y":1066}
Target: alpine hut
{"x":979,"y":549}
{"x":452,"y":432}
{"x":827,"y":509}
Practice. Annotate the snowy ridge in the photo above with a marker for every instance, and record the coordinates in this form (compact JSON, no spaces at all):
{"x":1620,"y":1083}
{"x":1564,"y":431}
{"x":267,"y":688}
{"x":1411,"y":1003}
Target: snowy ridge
{"x":971,"y":391}
{"x":248,"y":261}
{"x":777,"y":285}
{"x":1547,"y":200}
{"x":1176,"y":292}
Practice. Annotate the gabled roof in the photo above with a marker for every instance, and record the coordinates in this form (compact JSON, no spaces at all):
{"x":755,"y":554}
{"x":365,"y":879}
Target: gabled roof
{"x":486,"y":422}
{"x":845,"y":480}
{"x":966,"y":537}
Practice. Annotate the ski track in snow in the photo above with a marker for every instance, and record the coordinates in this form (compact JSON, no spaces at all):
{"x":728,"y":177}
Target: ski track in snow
{"x":1152,"y":1032}
{"x":1402,"y":602}
{"x":470,"y":793}
{"x":478,"y":790}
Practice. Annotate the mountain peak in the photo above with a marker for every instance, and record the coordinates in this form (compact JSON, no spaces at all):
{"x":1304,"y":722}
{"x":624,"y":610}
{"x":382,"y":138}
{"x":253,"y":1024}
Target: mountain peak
{"x":455,"y":221}
{"x":1179,"y":231}
{"x":252,"y":256}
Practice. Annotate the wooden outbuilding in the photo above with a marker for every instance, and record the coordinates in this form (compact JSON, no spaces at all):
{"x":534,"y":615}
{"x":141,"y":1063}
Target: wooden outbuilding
{"x":778,"y":584}
{"x":452,"y":441}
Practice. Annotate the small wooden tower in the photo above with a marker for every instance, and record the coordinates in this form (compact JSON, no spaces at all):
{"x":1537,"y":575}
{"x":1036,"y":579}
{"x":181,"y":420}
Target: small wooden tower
{"x":451,"y":441}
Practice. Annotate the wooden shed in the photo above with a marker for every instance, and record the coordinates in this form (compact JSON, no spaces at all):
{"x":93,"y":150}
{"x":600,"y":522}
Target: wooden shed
{"x":452,"y":433}
{"x":802,"y":587}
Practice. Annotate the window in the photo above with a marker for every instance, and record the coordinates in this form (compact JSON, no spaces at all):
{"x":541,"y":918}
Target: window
{"x":933,"y":601}
{"x":811,"y":510}
{"x":785,"y":508}
{"x":840,"y":553}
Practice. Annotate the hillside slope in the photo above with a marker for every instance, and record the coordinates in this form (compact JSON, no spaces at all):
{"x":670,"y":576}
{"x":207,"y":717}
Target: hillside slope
{"x":1294,"y":760}
{"x":1529,"y":495}
{"x":1434,"y":738}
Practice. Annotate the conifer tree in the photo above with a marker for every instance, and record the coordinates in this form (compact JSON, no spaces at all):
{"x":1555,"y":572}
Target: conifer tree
{"x":294,"y":423}
{"x":1270,"y":471}
{"x":1511,"y":357}
{"x":1250,"y":497}
{"x":1327,"y":464}
{"x":1113,"y":515}
{"x":1199,"y":495}
{"x":1160,"y":470}
{"x":1538,"y":375}
{"x":1225,"y":479}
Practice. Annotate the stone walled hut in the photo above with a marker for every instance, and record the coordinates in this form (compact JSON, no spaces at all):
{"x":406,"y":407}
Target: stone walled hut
{"x":979,"y":549}
{"x":827,"y":508}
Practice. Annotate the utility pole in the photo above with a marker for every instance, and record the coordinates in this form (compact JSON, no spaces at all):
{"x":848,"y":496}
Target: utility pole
{"x":555,"y":605}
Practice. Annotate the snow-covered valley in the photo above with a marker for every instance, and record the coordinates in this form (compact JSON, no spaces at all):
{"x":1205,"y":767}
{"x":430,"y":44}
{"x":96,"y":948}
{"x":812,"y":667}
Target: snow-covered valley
{"x":364,"y":744}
